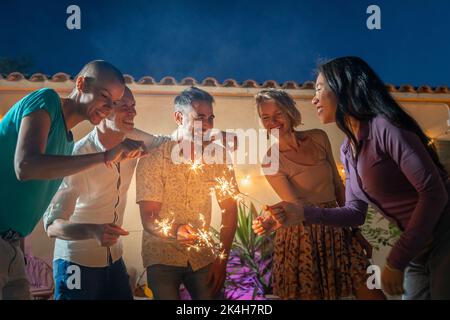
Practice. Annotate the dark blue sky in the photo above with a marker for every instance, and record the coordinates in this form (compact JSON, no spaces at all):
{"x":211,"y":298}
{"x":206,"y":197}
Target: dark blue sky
{"x":261,"y":40}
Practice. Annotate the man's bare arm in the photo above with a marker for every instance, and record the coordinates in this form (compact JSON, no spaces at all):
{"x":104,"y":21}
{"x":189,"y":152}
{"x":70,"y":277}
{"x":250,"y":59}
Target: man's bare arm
{"x":30,"y":162}
{"x":182,"y":233}
{"x":229,"y":223}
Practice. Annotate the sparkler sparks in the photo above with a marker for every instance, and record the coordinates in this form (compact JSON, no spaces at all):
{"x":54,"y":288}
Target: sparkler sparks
{"x":196,"y":165}
{"x":227,"y":189}
{"x":164,"y":226}
{"x":205,"y":239}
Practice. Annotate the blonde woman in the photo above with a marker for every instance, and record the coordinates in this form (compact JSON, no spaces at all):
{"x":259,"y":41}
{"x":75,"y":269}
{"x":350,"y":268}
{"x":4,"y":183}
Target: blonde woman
{"x":310,"y":261}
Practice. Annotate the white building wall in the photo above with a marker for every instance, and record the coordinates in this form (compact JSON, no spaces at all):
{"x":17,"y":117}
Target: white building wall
{"x":234,"y":108}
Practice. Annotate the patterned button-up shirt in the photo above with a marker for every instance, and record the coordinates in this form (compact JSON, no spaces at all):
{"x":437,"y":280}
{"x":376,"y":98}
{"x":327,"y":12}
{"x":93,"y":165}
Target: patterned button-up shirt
{"x":185,"y":195}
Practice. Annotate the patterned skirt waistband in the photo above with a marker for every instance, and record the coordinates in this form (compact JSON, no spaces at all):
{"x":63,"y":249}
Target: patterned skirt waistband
{"x":328,"y":204}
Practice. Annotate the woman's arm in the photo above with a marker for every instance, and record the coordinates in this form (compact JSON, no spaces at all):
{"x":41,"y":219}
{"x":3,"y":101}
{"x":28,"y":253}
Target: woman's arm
{"x":339,"y":188}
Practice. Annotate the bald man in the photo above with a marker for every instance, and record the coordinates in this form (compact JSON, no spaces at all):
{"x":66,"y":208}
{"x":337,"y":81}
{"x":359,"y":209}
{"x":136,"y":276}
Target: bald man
{"x":86,"y":214}
{"x":36,"y":144}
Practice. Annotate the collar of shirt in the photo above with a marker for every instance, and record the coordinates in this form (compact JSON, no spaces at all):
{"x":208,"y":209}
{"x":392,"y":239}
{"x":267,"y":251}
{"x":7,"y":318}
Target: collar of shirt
{"x":93,"y":136}
{"x":365,"y":133}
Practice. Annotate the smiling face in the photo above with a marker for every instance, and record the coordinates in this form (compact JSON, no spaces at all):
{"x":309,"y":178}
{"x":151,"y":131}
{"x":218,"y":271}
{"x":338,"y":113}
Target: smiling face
{"x":325,"y":101}
{"x":121,"y":119}
{"x":201,"y":112}
{"x":97,"y":97}
{"x":273,"y":117}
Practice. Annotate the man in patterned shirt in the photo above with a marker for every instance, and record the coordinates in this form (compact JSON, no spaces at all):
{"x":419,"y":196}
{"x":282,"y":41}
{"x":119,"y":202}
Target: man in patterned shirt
{"x":181,"y":194}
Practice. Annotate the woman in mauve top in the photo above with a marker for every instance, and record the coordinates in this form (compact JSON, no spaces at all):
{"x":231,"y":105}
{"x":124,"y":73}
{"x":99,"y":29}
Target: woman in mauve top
{"x":391,"y":164}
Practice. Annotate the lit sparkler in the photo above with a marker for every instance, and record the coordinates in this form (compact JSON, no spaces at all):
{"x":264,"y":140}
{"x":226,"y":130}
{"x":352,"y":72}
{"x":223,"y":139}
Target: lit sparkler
{"x":164,"y":226}
{"x":196,"y":165}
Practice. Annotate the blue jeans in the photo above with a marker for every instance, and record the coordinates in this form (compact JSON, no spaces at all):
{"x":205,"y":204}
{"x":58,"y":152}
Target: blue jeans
{"x":165,"y":282}
{"x":428,"y":275}
{"x":103,"y":283}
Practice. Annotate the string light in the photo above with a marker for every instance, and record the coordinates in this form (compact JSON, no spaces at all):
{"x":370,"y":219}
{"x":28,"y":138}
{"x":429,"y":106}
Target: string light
{"x":246,"y":181}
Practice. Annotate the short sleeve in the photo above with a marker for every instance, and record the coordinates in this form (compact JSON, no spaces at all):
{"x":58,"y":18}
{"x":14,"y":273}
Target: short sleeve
{"x":44,"y":99}
{"x":64,"y":201}
{"x":149,"y":177}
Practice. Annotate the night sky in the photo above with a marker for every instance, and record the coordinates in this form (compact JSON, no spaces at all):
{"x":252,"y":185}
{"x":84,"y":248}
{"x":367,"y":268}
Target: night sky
{"x":279,"y":40}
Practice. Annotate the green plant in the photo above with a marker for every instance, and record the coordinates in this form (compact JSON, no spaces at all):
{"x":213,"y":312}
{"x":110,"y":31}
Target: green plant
{"x":249,"y":266}
{"x":379,"y":235}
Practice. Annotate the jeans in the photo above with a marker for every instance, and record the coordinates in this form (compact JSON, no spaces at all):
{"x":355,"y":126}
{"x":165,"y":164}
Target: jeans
{"x":165,"y":282}
{"x":14,"y":283}
{"x":428,"y":275}
{"x":76,"y":282}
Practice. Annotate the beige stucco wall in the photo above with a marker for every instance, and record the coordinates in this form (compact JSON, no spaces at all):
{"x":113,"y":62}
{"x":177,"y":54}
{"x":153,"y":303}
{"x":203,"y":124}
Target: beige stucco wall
{"x":234,"y":108}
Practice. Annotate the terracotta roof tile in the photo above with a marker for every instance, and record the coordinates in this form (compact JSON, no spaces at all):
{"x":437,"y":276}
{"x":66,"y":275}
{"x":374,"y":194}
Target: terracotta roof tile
{"x":442,"y":89}
{"x":168,"y":81}
{"x":250,"y":84}
{"x":212,"y":82}
{"x":15,"y":76}
{"x":270,"y":84}
{"x":188,"y":82}
{"x":38,"y":77}
{"x":407,"y":88}
{"x":147,"y":80}
{"x":310,"y":85}
{"x":425,"y":89}
{"x":391,"y":87}
{"x":290,"y":85}
{"x":230,"y":83}
{"x":128,"y":79}
{"x":60,"y":77}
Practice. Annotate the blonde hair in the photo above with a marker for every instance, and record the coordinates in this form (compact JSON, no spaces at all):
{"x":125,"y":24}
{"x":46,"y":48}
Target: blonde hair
{"x":284,"y":101}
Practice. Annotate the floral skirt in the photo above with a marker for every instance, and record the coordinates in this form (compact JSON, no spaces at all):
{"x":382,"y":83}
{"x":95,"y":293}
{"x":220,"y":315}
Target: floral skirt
{"x":317,"y":262}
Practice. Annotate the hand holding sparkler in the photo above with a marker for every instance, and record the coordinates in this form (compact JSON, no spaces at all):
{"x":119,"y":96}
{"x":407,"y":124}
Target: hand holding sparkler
{"x":288,"y":213}
{"x":186,"y":235}
{"x":183,"y":233}
{"x":265,"y":223}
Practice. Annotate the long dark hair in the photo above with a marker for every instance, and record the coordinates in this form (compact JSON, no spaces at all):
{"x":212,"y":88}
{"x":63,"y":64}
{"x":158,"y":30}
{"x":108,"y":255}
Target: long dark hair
{"x":362,"y":95}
